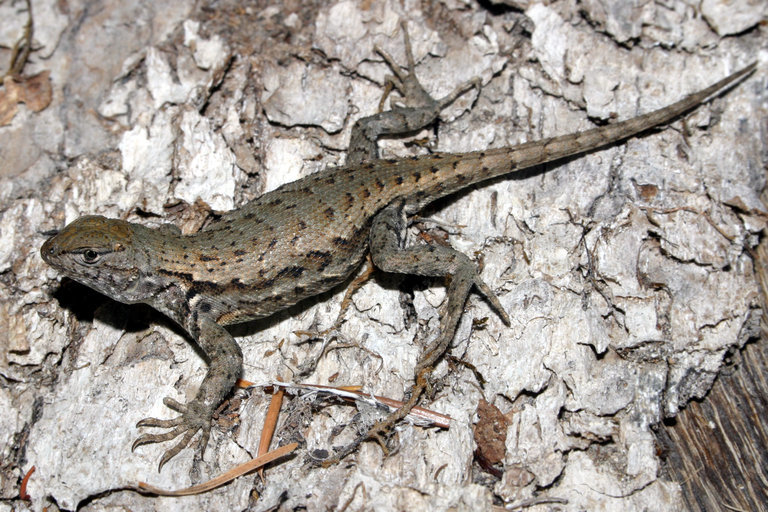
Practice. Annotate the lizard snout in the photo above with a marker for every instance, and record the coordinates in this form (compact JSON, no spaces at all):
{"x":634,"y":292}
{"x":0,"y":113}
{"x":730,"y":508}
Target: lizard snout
{"x":49,"y":250}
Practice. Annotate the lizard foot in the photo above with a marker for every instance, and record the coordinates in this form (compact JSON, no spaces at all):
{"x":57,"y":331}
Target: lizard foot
{"x":326,"y":338}
{"x":381,"y":430}
{"x":408,"y":85}
{"x":416,"y":110}
{"x":195,"y":417}
{"x":334,"y":332}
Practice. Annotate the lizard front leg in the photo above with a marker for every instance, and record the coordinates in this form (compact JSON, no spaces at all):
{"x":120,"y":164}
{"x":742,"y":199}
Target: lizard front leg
{"x":225,"y":361}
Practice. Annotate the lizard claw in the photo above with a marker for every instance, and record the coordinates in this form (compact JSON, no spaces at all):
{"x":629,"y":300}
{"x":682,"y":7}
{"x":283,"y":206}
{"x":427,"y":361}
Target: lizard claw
{"x":194,"y":418}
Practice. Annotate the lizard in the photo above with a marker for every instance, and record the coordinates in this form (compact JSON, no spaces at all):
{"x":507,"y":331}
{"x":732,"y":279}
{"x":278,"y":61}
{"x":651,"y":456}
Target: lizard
{"x":311,"y":235}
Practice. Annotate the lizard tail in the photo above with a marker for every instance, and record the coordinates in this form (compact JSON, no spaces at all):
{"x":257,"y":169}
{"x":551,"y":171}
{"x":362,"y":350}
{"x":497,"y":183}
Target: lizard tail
{"x":450,"y":173}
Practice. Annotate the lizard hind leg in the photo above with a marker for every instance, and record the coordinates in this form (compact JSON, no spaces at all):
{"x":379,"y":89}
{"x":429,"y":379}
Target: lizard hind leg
{"x":389,"y":253}
{"x":418,"y":109}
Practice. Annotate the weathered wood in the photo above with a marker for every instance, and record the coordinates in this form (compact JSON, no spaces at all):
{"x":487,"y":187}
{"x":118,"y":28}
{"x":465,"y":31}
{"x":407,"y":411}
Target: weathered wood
{"x":718,"y":447}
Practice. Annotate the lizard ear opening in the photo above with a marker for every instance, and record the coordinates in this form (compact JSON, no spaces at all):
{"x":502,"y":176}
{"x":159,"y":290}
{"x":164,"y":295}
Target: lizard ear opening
{"x":118,"y":247}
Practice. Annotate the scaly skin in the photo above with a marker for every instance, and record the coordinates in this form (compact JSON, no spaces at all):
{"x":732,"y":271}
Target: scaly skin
{"x":307,"y":237}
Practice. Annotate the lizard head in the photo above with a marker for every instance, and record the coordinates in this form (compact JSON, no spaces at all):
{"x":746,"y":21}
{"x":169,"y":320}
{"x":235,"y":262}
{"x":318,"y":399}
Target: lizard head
{"x":99,"y":253}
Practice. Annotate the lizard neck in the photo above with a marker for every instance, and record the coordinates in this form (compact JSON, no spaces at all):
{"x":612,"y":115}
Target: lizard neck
{"x":158,"y":253}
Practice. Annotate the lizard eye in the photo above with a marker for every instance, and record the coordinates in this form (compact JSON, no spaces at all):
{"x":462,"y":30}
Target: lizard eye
{"x":90,"y":256}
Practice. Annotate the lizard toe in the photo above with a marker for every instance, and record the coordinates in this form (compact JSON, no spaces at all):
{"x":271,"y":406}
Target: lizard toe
{"x":184,"y":442}
{"x":158,"y":423}
{"x":157,"y":438}
{"x":175,"y":405}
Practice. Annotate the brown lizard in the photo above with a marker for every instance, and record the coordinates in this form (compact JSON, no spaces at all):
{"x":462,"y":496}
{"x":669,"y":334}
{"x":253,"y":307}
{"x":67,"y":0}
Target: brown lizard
{"x":308,"y":236}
